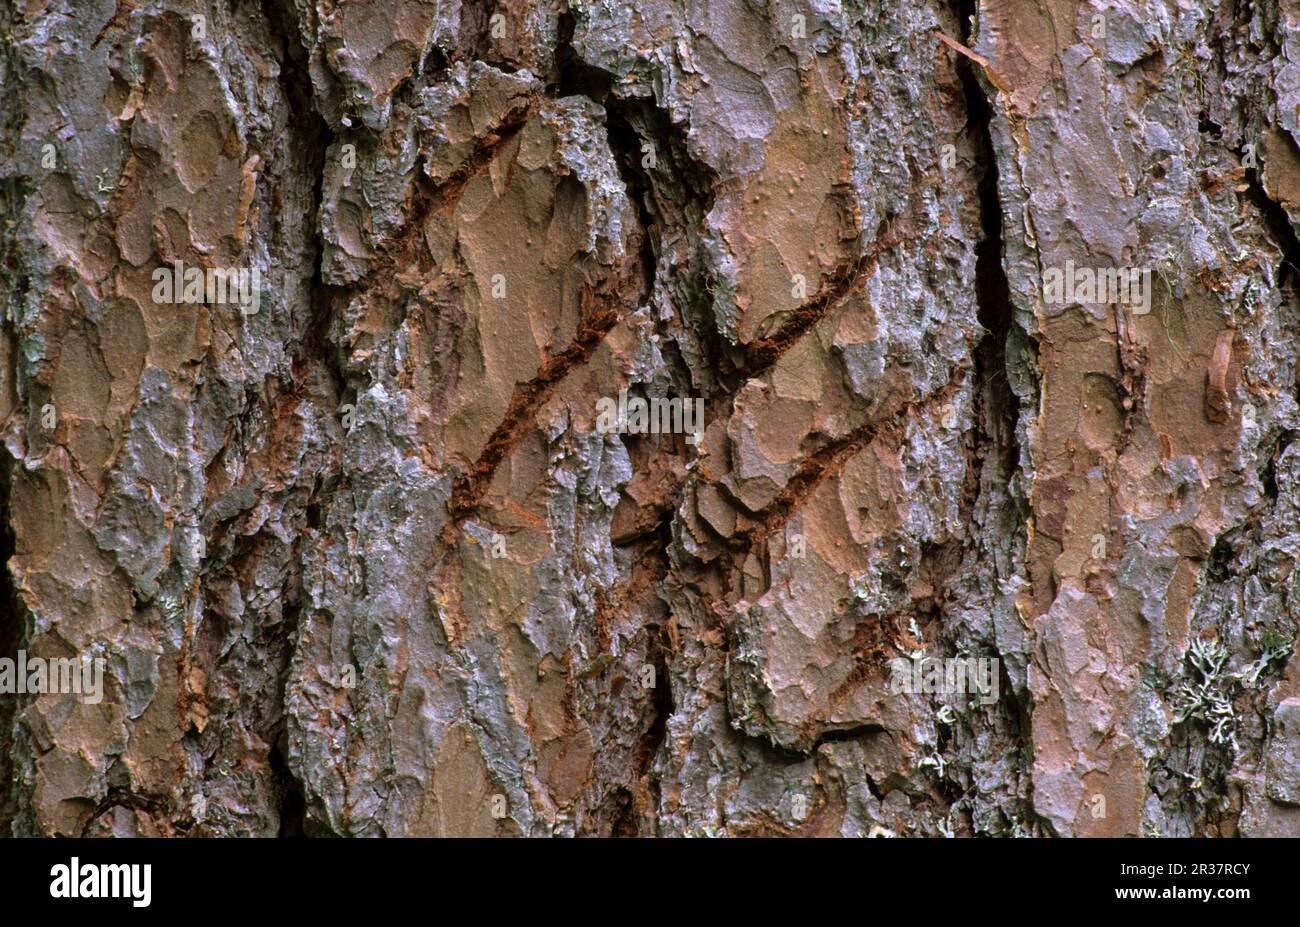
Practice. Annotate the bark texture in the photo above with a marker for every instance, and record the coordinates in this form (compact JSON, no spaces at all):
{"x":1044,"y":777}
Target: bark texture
{"x":361,"y":562}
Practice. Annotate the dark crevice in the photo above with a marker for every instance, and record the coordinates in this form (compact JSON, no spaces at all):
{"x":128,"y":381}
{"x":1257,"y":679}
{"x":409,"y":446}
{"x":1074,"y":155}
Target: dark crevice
{"x":1276,"y":219}
{"x":475,"y":38}
{"x":624,"y":816}
{"x":309,"y":143}
{"x":1219,"y":567}
{"x":625,"y":145}
{"x":671,"y":193}
{"x":663,"y":707}
{"x":293,"y":807}
{"x":473,"y":42}
{"x":1270,"y":470}
{"x":435,"y":65}
{"x":157,"y":807}
{"x":573,"y":76}
{"x":11,"y":639}
{"x":313,"y":511}
{"x":15,"y":287}
{"x":851,"y":733}
{"x":673,"y":196}
{"x":1000,"y":405}
{"x":310,"y":138}
{"x":994,"y":451}
{"x":807,"y":746}
{"x":1280,"y":230}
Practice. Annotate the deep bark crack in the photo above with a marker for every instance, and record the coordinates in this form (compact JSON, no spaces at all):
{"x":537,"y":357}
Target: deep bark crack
{"x":310,"y":135}
{"x":11,"y":638}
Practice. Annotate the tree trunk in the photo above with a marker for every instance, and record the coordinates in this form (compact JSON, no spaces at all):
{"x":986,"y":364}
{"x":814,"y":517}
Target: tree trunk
{"x":988,"y":522}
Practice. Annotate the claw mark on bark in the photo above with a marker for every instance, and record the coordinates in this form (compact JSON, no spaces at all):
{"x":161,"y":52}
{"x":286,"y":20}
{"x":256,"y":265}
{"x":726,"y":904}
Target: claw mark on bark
{"x":599,"y":314}
{"x":427,"y":198}
{"x":764,"y":352}
{"x":828,"y":461}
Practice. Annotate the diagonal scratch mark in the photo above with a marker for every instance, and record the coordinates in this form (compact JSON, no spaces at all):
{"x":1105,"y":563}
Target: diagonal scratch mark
{"x":827,"y":461}
{"x":599,"y":314}
{"x":764,"y":352}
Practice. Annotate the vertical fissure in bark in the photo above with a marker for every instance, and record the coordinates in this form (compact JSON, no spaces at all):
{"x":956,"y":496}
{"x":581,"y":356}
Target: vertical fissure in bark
{"x":996,"y":452}
{"x":293,"y":806}
{"x":624,"y":142}
{"x":310,"y":137}
{"x":309,"y":143}
{"x":661,"y":709}
{"x":1276,"y":220}
{"x":14,"y":284}
{"x":1000,"y":407}
{"x":475,"y":38}
{"x":675,"y":201}
{"x":1280,"y":230}
{"x":573,"y":76}
{"x":11,"y":636}
{"x":630,"y":125}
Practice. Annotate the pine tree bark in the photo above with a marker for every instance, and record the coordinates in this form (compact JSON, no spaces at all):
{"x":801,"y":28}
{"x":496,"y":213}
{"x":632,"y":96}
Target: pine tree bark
{"x":361,"y":556}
